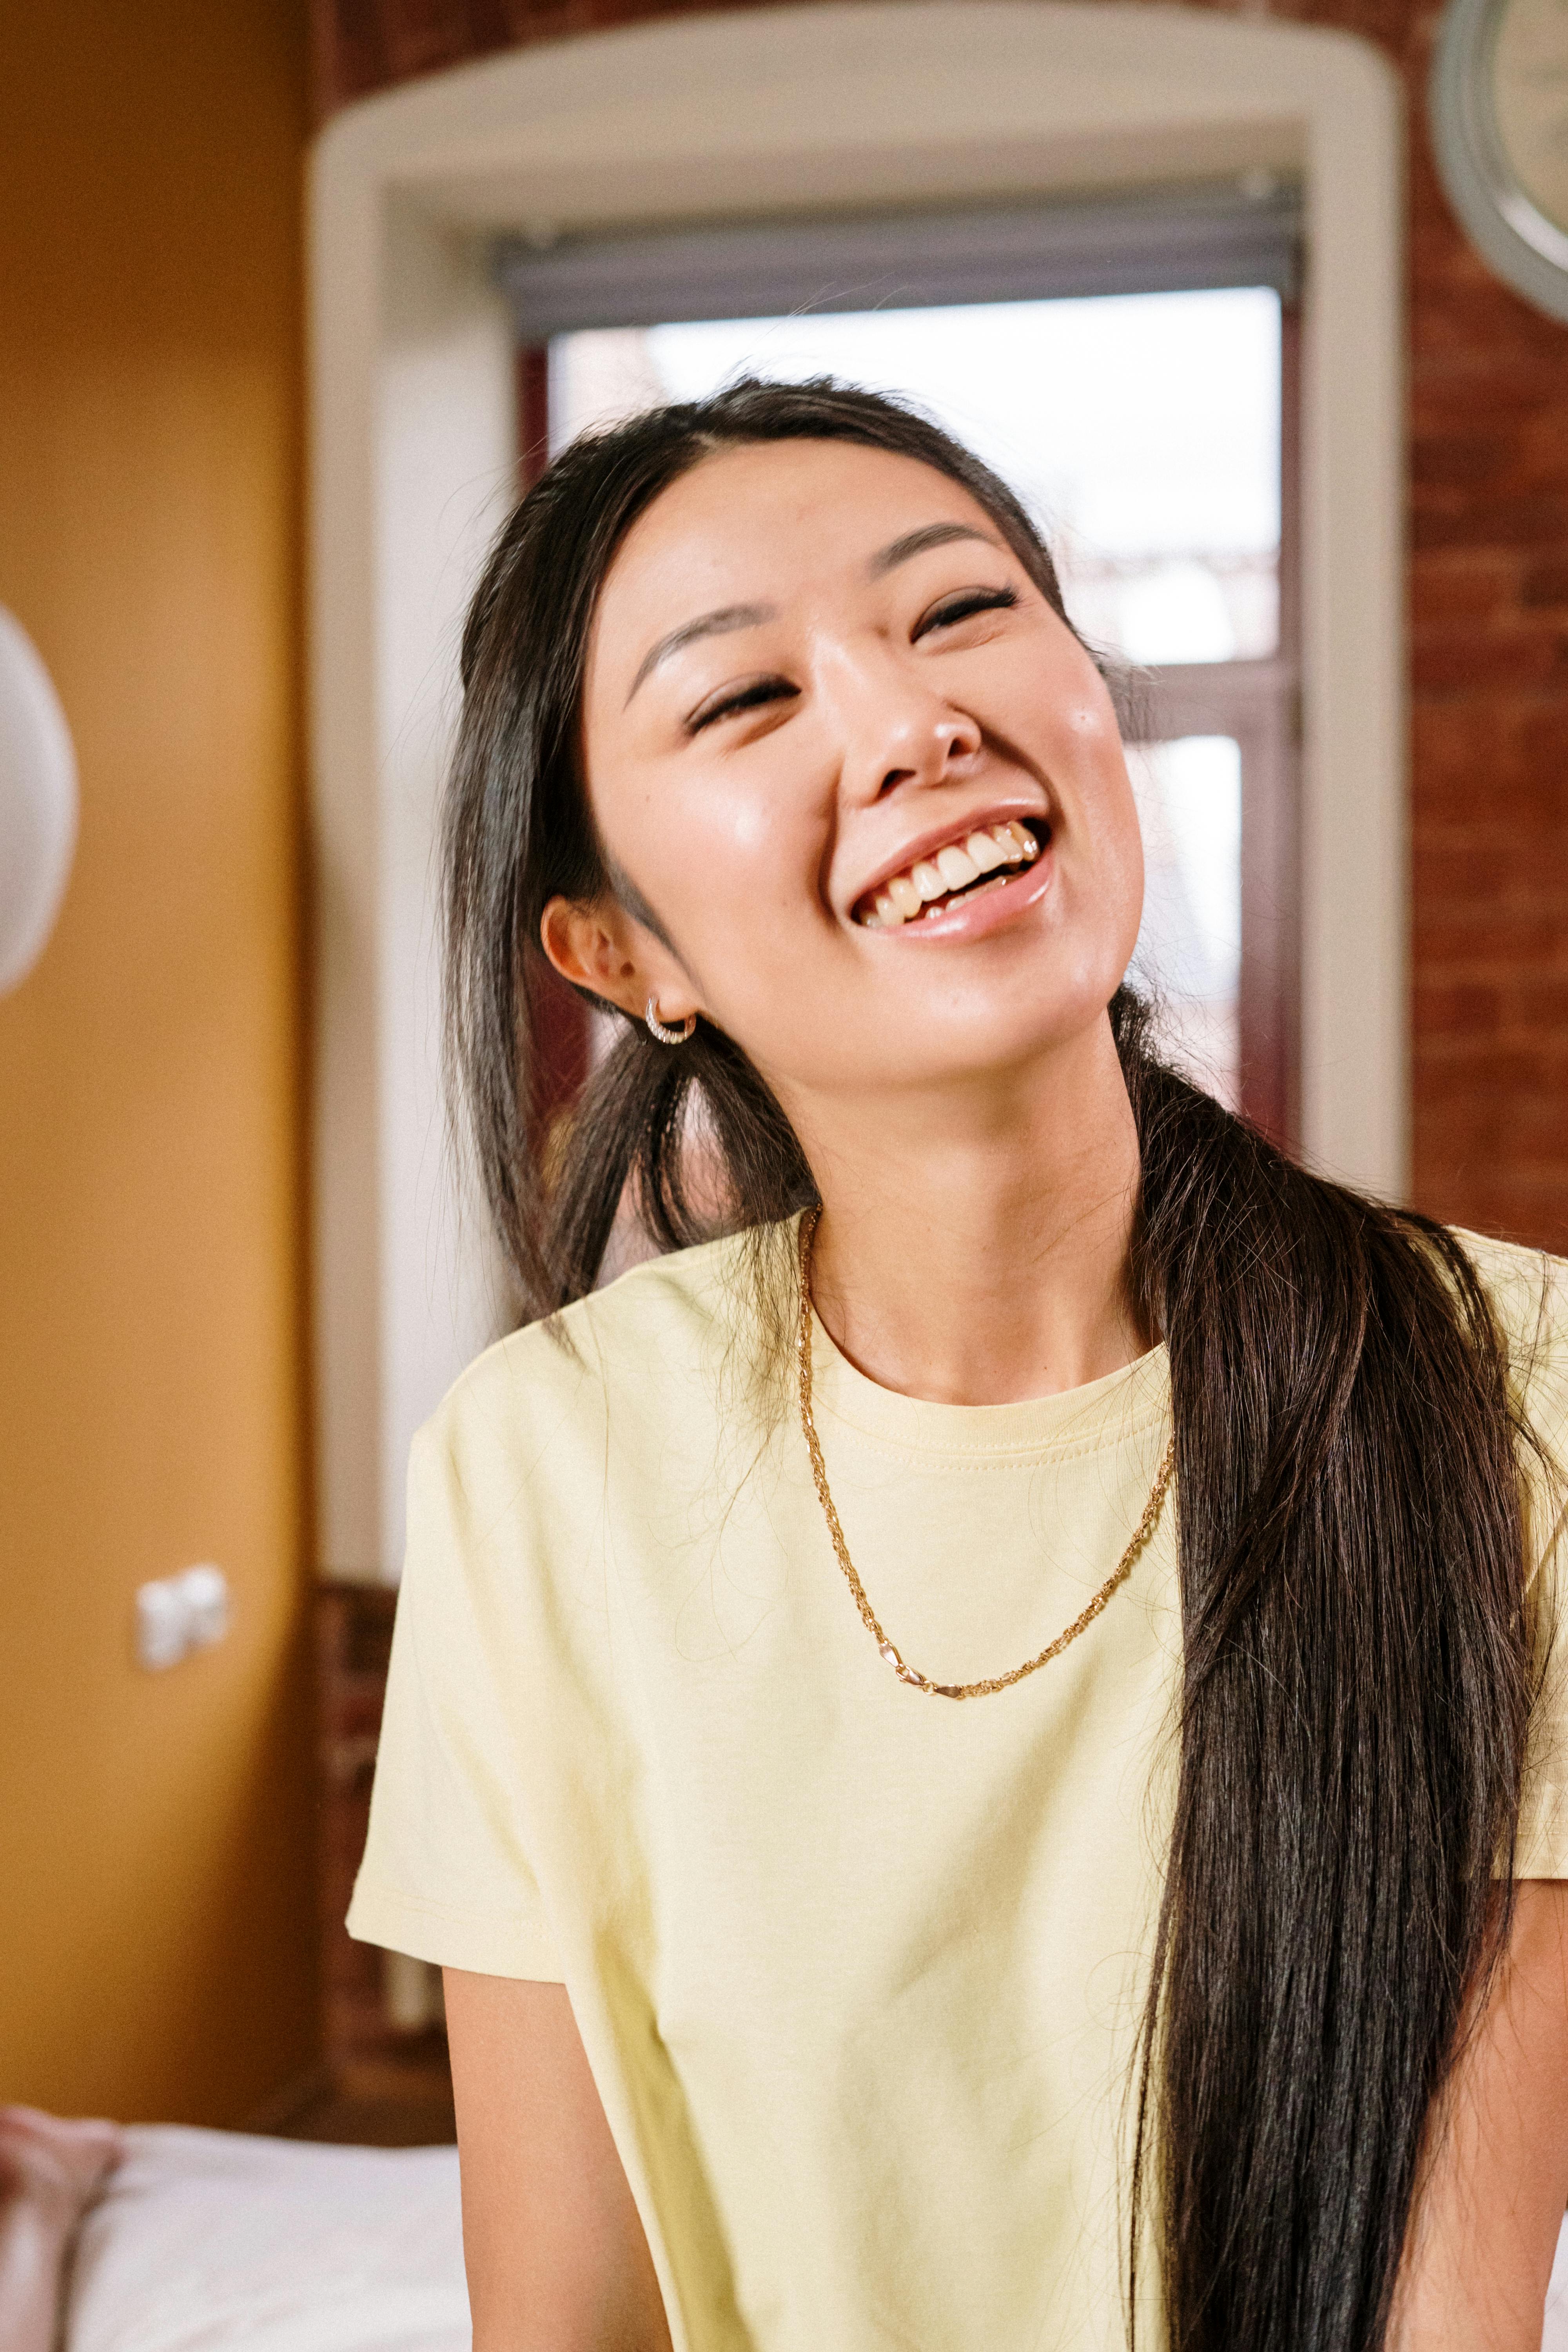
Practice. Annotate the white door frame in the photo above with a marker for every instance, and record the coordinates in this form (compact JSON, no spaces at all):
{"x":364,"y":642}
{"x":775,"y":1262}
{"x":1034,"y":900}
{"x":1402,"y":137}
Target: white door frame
{"x":830,"y":108}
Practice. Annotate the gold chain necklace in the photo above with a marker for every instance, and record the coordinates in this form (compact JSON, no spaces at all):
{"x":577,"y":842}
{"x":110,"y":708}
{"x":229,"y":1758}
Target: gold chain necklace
{"x":906,"y":1672}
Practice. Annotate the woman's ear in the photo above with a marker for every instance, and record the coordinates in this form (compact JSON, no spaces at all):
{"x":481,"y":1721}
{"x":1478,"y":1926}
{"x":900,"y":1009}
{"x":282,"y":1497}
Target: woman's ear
{"x":599,"y":947}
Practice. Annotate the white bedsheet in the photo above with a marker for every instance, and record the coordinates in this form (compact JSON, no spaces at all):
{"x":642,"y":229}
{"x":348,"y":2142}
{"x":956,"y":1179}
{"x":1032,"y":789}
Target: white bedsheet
{"x":208,"y":2239}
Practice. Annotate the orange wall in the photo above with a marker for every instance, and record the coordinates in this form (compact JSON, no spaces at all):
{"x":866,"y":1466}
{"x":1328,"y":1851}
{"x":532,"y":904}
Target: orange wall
{"x":155,"y":1869}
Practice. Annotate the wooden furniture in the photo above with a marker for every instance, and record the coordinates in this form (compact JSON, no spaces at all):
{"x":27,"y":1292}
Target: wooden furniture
{"x":384,"y":2084}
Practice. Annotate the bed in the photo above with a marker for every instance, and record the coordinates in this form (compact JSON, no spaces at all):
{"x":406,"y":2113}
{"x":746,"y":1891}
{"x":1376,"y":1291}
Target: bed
{"x":208,"y":2239}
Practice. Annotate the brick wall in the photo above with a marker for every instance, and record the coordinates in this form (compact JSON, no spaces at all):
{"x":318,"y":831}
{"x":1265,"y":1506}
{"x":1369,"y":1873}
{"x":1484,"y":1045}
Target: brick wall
{"x":1489,"y":609}
{"x":382,"y":2083}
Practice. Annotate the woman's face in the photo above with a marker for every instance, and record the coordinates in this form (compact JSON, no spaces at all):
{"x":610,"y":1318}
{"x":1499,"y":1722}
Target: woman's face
{"x":868,"y":782}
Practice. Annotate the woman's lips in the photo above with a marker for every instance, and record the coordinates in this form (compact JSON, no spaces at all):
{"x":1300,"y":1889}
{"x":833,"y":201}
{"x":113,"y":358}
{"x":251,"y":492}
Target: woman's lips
{"x":984,"y":910}
{"x":956,"y":864}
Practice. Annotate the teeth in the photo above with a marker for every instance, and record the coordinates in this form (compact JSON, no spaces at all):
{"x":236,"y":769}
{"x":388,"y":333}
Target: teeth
{"x":905,"y":895}
{"x":956,"y":870}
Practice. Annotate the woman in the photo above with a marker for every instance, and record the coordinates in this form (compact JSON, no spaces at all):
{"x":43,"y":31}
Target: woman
{"x":910,"y":1870}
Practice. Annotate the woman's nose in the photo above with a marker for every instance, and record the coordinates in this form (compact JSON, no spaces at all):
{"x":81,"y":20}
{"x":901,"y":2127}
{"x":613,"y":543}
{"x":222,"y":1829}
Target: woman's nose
{"x":932,"y":752}
{"x":900,"y":733}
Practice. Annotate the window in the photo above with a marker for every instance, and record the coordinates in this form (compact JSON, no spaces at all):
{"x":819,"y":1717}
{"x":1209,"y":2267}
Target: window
{"x":1128,"y":368}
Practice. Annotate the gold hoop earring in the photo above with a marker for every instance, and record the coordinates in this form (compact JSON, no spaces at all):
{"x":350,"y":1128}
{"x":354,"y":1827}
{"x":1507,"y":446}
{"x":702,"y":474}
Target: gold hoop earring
{"x":656,"y":1028}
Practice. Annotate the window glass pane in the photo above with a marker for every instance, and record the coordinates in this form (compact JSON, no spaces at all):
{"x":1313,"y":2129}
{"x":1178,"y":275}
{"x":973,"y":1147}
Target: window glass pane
{"x":1143,"y":429}
{"x":1189,"y":949}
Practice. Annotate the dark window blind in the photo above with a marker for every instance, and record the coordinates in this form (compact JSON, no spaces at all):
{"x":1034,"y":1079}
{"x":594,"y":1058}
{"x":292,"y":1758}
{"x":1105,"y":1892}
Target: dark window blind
{"x":1156,"y":241}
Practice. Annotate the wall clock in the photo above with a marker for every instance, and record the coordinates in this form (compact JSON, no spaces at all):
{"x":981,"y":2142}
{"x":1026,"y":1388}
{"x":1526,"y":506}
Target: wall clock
{"x":1499,"y":121}
{"x":38,"y":803}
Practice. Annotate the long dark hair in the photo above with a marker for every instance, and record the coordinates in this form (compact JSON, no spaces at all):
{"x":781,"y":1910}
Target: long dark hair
{"x":1357,"y":1667}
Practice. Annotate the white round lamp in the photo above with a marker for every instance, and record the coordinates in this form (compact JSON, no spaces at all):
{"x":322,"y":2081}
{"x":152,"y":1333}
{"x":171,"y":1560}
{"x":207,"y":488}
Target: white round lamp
{"x":38,"y":803}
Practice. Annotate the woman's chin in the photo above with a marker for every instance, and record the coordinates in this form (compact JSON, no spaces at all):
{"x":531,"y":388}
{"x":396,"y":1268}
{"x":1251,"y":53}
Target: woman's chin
{"x":962,"y":1049}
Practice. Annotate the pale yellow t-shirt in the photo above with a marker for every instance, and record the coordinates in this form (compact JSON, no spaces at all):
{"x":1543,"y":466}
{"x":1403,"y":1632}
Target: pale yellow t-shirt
{"x":857,"y":1969}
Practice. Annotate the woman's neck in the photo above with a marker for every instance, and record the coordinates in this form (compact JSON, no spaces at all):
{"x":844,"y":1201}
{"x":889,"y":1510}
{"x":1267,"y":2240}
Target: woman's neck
{"x":973,"y":1243}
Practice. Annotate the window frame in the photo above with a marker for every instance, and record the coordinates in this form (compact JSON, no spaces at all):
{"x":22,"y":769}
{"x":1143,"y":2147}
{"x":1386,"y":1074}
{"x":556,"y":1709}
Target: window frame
{"x":1154,"y":241}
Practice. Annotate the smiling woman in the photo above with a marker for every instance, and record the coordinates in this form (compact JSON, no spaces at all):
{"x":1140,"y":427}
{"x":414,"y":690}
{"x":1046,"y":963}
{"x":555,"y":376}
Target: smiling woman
{"x":947,"y":867}
{"x":1169,"y":1976}
{"x":924,"y":668}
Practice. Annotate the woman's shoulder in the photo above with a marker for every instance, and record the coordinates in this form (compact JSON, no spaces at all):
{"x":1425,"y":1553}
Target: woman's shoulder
{"x":662,"y":1331}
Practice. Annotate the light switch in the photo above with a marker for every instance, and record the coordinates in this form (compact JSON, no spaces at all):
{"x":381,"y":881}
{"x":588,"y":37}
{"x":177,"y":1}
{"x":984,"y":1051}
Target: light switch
{"x":205,"y":1591}
{"x":177,"y":1614}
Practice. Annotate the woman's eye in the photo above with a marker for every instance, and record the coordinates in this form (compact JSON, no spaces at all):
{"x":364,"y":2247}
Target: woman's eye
{"x":961,"y":607}
{"x":743,"y":698}
{"x":761,"y":690}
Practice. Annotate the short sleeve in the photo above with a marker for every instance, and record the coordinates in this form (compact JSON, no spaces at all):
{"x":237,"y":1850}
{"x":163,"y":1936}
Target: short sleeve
{"x":445,"y":1876}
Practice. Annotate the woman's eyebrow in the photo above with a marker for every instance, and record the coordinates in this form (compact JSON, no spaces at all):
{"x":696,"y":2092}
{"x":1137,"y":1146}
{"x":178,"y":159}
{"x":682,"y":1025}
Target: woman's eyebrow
{"x":707,"y":625}
{"x":915,"y":542}
{"x":751,"y":617}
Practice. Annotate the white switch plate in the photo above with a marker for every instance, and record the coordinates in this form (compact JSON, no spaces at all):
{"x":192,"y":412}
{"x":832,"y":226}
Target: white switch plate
{"x":177,"y":1614}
